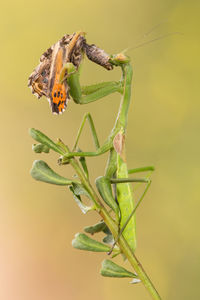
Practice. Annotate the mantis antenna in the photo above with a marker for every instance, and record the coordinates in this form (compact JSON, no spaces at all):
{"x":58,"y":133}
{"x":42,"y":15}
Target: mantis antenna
{"x":151,"y":41}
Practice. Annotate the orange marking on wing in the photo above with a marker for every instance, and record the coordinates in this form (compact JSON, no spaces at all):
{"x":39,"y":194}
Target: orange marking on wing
{"x":58,"y":93}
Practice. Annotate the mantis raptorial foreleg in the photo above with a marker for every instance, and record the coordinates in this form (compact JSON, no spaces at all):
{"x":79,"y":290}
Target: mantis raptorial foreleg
{"x":87,"y":94}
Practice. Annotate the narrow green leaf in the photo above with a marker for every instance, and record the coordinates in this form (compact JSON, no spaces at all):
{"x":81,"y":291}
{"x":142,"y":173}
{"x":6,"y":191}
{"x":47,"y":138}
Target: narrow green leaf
{"x":78,"y":189}
{"x":101,"y":226}
{"x":42,"y":172}
{"x":62,"y":145}
{"x":84,"y":208}
{"x":43,"y":139}
{"x":82,"y":160}
{"x":39,"y":148}
{"x":83,"y":242}
{"x":84,"y":165}
{"x":104,"y":187}
{"x":111,"y":269}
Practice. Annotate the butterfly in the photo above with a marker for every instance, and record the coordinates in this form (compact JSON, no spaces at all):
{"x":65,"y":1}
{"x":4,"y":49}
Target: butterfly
{"x":45,"y":79}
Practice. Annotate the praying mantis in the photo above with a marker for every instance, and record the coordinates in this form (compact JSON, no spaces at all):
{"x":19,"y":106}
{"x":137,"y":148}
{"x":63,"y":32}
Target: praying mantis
{"x":116,"y":171}
{"x":114,"y":186}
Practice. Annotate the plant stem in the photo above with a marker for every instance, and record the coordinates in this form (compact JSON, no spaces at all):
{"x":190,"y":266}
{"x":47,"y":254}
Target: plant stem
{"x":131,"y":256}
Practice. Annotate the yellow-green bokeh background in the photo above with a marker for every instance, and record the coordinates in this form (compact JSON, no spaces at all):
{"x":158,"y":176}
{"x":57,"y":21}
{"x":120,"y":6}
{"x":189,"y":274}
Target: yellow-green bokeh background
{"x":38,"y":221}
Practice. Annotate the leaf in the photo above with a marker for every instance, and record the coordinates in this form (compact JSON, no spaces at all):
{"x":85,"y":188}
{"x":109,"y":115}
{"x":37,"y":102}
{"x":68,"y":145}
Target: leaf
{"x":42,"y":172}
{"x":78,"y":189}
{"x":84,"y":208}
{"x":62,"y":145}
{"x":101,"y":226}
{"x":107,"y":230}
{"x":111,"y":269}
{"x":82,"y":160}
{"x":83,"y":242}
{"x":39,"y":148}
{"x":43,"y":139}
{"x":104,"y":187}
{"x":84,"y":165}
{"x":108,"y":239}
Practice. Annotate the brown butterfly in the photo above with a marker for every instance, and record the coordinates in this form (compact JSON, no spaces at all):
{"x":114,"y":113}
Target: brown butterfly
{"x":45,"y":79}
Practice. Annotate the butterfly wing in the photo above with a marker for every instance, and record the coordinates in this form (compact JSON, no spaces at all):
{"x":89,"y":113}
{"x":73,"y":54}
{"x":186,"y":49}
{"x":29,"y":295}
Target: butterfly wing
{"x":39,"y":78}
{"x":58,"y":92}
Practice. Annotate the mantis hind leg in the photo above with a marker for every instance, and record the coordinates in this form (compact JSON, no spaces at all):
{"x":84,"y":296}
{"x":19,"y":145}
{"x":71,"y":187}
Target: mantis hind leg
{"x":122,"y":180}
{"x":88,"y":117}
{"x":136,"y":206}
{"x":99,"y":150}
{"x":140,"y":170}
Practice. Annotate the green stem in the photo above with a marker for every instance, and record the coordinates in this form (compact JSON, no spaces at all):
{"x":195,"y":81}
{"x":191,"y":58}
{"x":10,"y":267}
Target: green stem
{"x":131,"y":256}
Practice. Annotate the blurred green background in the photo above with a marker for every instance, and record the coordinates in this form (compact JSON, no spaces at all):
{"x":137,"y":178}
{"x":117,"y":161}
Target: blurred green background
{"x":38,"y":221}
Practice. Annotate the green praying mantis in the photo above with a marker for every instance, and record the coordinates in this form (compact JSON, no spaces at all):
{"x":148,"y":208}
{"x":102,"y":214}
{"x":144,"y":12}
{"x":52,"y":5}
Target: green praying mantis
{"x":114,"y":186}
{"x":116,"y":171}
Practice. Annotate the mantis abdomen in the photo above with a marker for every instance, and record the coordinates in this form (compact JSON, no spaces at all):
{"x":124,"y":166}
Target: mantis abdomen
{"x":126,"y":204}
